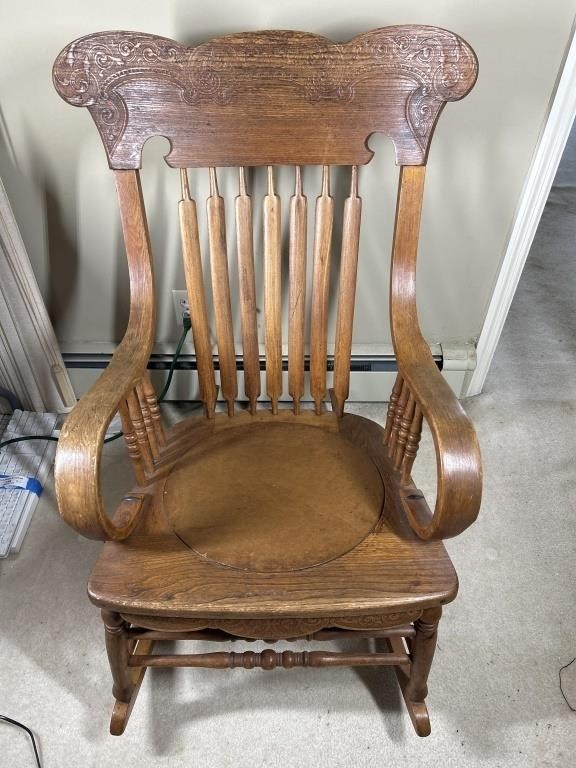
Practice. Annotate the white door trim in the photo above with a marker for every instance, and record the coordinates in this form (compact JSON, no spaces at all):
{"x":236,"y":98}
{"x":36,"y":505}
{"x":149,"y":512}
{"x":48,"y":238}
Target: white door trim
{"x":532,"y":201}
{"x":31,"y":365}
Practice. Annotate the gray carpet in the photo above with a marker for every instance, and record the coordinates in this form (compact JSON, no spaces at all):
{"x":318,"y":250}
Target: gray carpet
{"x":494,"y":694}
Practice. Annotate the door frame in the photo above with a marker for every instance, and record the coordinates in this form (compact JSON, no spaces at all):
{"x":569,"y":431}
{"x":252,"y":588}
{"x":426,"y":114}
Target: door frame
{"x":31,"y":364}
{"x":533,"y":198}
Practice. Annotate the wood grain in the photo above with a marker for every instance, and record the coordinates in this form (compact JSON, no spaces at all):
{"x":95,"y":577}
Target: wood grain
{"x":159,"y":575}
{"x":347,"y":292}
{"x":221,"y":292}
{"x":459,"y":483}
{"x":324,"y":222}
{"x":269,"y":659}
{"x":152,"y":401}
{"x":297,"y":292}
{"x":77,"y":466}
{"x":302,"y":100}
{"x":248,"y":307}
{"x":289,"y":523}
{"x":122,"y":710}
{"x":273,"y":293}
{"x":381,"y":625}
{"x":196,"y":296}
{"x":284,"y":527}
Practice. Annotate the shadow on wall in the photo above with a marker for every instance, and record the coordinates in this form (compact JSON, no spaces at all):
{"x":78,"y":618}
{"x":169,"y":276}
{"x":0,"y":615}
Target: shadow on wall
{"x":62,"y":254}
{"x":27,"y":206}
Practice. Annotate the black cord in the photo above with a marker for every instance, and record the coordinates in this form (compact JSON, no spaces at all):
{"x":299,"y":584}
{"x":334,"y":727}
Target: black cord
{"x":28,"y":731}
{"x":174,"y":360}
{"x":182,"y":339}
{"x":28,"y":437}
{"x":560,"y":679}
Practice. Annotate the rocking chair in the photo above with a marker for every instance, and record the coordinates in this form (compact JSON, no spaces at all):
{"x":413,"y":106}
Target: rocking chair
{"x":269,"y":521}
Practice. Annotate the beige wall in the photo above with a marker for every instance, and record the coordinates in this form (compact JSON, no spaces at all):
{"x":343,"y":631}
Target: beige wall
{"x":55,"y":172}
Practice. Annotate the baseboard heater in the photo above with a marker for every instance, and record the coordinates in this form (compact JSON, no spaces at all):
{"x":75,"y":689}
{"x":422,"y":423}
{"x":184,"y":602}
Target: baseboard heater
{"x":371,"y":378}
{"x":162,"y":362}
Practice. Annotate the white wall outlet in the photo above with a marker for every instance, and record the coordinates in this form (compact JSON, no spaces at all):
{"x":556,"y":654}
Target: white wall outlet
{"x":181,"y":306}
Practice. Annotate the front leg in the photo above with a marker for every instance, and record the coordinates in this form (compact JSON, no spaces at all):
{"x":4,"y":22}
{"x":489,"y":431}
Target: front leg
{"x":422,"y":652}
{"x":117,"y":647}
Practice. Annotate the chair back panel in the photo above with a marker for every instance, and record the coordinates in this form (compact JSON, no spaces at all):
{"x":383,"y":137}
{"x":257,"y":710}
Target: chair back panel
{"x":266,"y":98}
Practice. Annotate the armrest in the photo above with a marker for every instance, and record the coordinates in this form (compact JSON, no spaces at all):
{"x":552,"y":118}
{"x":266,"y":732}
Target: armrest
{"x":77,"y":468}
{"x":458,"y":461}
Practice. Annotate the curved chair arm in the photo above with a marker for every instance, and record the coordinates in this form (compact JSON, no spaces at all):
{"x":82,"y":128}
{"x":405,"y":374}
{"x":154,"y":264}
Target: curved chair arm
{"x":77,"y":468}
{"x":458,"y":461}
{"x":457,"y":452}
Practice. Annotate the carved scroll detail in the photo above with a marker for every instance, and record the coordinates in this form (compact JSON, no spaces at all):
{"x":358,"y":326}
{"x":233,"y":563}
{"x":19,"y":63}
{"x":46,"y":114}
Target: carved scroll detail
{"x":440,"y":63}
{"x":89,"y":72}
{"x":280,"y":628}
{"x":124,"y":78}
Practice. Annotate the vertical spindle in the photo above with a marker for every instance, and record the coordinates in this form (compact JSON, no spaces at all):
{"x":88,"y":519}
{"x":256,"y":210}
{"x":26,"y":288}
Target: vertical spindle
{"x":297,"y":292}
{"x":320,"y":291}
{"x":272,"y":293}
{"x":245,"y":247}
{"x":347,"y":293}
{"x":221,"y":293}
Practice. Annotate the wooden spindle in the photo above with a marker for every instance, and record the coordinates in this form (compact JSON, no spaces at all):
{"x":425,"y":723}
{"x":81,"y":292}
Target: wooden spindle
{"x":272,"y":293}
{"x":347,"y":293}
{"x":247,"y":282}
{"x":268,"y":659}
{"x":398,"y":413}
{"x":403,"y":431}
{"x":320,"y":291}
{"x":297,"y":293}
{"x":151,"y":399}
{"x":412,"y":442}
{"x":392,"y":405}
{"x":148,"y":423}
{"x":131,"y":443}
{"x":139,"y":427}
{"x":221,"y":292}
{"x":196,"y":297}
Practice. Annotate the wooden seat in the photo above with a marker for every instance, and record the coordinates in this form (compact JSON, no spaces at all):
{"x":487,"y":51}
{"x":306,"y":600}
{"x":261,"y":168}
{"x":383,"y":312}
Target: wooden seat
{"x":283,"y":517}
{"x":314,"y":538}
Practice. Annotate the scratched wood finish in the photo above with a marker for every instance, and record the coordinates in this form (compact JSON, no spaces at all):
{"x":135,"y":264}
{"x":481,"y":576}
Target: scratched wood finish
{"x":377,"y":576}
{"x":317,"y":104}
{"x":324,"y":223}
{"x":247,"y":284}
{"x":264,"y":99}
{"x":221,"y":291}
{"x":297,"y":292}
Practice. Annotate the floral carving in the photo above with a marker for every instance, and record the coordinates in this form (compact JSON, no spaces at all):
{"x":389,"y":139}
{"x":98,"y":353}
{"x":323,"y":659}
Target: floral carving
{"x":280,"y":628}
{"x":441,"y":65}
{"x":89,"y":72}
{"x":125,"y":76}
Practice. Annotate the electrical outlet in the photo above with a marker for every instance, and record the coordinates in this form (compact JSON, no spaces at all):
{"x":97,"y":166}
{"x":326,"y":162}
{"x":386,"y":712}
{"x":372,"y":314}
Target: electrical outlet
{"x":181,"y":306}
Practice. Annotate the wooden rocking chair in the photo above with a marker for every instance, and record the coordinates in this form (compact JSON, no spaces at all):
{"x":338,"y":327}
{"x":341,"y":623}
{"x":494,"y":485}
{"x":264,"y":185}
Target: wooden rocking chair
{"x":270,"y":522}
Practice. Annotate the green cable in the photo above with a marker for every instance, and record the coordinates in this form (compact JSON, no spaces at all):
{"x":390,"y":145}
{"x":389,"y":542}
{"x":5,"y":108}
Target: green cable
{"x":182,"y":339}
{"x":175,"y":359}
